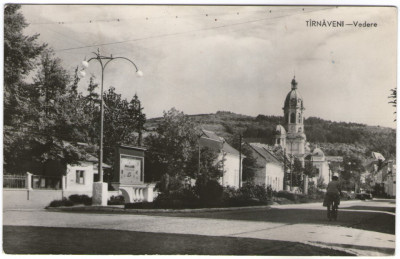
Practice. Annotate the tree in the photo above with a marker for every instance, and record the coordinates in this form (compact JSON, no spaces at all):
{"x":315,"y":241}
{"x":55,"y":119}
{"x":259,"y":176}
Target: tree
{"x":393,"y":96}
{"x":171,"y":148}
{"x":122,"y":120}
{"x":135,"y":111}
{"x":297,"y":169}
{"x":34,"y":113}
{"x":249,"y":165}
{"x":309,"y":169}
{"x":173,"y":153}
{"x":20,"y":56}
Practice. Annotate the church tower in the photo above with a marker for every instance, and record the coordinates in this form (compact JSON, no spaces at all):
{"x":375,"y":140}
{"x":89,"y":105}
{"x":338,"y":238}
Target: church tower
{"x":294,"y":119}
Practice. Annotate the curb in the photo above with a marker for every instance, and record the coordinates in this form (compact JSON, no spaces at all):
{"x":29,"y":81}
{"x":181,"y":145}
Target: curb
{"x":111,"y":209}
{"x":136,"y":211}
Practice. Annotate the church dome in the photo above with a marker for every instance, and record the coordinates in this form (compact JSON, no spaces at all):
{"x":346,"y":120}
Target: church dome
{"x":280,"y":130}
{"x":318,"y":152}
{"x":293,"y":98}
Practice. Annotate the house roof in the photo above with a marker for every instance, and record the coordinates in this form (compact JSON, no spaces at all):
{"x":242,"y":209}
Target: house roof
{"x":378,"y":156}
{"x":213,"y":141}
{"x":88,"y":157}
{"x":264,"y":152}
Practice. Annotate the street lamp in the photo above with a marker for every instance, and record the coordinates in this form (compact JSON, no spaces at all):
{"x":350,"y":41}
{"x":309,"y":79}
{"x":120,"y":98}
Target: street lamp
{"x":104,"y":61}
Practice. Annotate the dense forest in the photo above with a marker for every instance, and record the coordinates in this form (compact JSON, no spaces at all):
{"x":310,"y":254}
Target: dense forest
{"x":335,"y":138}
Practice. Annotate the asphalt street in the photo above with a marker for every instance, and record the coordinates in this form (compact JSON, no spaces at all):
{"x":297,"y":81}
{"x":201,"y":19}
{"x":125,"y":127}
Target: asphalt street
{"x":365,"y":228}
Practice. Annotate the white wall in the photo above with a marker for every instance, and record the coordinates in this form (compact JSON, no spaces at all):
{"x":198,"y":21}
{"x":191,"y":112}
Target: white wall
{"x":71,"y":183}
{"x":231,"y":168}
{"x":274,"y":176}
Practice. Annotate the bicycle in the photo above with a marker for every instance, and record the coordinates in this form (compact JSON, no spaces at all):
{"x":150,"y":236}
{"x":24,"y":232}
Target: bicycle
{"x":332,"y":202}
{"x":333,"y":207}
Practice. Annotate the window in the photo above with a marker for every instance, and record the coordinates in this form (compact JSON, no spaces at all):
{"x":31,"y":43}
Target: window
{"x":299,"y":118}
{"x":293,"y":117}
{"x":80,"y":176}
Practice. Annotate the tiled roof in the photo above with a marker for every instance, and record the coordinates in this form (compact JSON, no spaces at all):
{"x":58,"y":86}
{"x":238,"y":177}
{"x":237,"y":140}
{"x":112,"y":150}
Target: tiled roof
{"x":265,"y":152}
{"x":214,"y":142}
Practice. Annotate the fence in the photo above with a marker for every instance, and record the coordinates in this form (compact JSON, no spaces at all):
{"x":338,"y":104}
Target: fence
{"x":14,"y":181}
{"x":35,"y":182}
{"x":46,"y":182}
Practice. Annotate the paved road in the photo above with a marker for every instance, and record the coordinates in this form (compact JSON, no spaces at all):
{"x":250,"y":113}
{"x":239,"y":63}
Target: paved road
{"x":364,"y":227}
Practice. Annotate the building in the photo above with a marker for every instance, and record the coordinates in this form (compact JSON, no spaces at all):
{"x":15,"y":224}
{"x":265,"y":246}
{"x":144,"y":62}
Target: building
{"x":383,"y":174}
{"x":292,"y":138}
{"x":79,"y":178}
{"x":233,"y":160}
{"x":269,"y":168}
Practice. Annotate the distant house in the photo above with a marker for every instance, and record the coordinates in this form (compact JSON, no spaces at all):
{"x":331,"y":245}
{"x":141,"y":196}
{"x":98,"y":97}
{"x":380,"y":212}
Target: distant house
{"x":80,"y":177}
{"x":383,"y":173}
{"x":75,"y":178}
{"x":270,"y":167}
{"x":232,"y":159}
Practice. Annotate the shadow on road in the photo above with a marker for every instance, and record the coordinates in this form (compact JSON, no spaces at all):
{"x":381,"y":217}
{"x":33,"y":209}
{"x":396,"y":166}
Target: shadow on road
{"x":44,"y":240}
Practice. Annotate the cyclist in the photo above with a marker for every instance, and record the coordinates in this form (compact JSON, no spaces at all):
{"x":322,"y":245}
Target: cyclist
{"x":332,"y":197}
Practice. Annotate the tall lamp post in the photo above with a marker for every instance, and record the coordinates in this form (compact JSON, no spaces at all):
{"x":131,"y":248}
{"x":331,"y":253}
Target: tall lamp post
{"x":99,"y":189}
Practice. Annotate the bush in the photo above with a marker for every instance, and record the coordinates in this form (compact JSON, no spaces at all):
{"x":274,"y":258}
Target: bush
{"x":116,"y":200}
{"x":178,"y":199}
{"x":80,"y":199}
{"x":209,"y":192}
{"x":295,"y":197}
{"x":60,"y":203}
{"x":140,"y":205}
{"x":248,"y":195}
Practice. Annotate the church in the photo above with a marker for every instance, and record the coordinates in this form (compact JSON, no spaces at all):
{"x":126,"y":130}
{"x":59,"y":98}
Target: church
{"x":290,"y":142}
{"x":294,"y":140}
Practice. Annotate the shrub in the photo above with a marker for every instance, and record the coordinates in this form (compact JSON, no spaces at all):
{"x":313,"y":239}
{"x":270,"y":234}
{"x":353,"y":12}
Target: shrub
{"x":248,"y":195}
{"x":59,"y":203}
{"x":140,"y":205}
{"x":252,"y":191}
{"x":209,"y":192}
{"x":116,"y":200}
{"x":294,"y":197}
{"x":80,"y":199}
{"x":178,"y":199}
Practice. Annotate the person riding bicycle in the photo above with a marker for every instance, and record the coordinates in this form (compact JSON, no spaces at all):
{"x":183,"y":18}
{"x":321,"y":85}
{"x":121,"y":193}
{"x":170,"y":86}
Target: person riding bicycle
{"x":332,"y":197}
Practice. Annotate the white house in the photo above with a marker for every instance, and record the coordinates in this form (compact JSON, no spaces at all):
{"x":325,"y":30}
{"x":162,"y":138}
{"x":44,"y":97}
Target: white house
{"x":79,"y":178}
{"x":232,"y":158}
{"x":270,"y":169}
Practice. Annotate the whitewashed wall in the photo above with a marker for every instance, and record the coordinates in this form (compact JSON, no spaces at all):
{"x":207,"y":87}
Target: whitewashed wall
{"x":71,"y":183}
{"x":274,"y":176}
{"x":231,"y":167}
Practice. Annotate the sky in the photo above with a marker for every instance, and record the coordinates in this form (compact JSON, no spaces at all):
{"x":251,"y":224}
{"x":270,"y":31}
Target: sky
{"x":203,"y":59}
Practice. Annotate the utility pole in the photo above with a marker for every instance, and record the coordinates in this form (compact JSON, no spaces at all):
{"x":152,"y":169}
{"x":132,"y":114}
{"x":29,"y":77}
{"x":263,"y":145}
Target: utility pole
{"x":240,"y":160}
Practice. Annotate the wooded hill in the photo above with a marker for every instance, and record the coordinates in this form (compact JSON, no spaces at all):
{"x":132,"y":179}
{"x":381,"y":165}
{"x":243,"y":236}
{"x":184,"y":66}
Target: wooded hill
{"x":334,"y":138}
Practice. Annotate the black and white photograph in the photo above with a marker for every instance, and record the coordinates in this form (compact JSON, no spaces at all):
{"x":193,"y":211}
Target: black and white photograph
{"x":199,"y":129}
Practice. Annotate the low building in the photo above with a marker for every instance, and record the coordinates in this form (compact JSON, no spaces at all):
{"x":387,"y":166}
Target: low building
{"x":269,"y":167}
{"x":233,"y":160}
{"x":79,"y":178}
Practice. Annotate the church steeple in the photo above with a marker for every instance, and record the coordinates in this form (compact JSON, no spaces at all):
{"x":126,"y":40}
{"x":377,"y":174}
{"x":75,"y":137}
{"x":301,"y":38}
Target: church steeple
{"x":294,"y":83}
